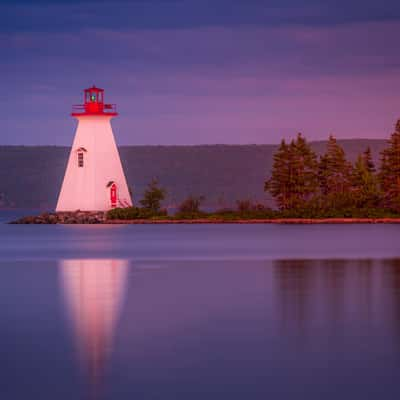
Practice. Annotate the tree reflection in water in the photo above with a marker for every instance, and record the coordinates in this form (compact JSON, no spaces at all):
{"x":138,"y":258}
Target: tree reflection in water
{"x":391,"y":283}
{"x":337,"y":294}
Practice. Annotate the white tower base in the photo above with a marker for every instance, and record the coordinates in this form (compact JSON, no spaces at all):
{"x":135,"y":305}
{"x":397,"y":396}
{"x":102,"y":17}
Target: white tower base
{"x":94,"y":179}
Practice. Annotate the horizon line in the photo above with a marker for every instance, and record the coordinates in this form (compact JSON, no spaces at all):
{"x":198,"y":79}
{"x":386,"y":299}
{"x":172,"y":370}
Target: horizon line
{"x":202,"y":144}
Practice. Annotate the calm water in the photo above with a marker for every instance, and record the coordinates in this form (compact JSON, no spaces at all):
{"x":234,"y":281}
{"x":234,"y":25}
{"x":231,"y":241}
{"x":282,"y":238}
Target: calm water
{"x":199,"y":312}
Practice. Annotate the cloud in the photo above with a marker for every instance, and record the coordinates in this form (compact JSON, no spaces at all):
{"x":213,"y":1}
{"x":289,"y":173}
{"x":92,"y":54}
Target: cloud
{"x":334,"y":50}
{"x":73,"y":15}
{"x":205,"y":85}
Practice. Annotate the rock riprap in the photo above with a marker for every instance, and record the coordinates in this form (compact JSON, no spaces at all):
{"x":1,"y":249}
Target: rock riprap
{"x":77,"y":217}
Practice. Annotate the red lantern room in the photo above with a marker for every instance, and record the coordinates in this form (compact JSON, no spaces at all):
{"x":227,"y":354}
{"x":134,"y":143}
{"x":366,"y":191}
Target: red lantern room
{"x":94,"y":104}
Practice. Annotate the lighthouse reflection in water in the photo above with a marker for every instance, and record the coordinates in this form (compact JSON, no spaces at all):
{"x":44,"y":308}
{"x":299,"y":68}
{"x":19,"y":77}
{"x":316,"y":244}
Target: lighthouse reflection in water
{"x":94,"y":294}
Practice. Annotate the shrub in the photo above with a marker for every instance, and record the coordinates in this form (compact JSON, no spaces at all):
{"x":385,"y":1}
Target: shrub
{"x":152,"y":197}
{"x":190,"y":207}
{"x":134,"y":213}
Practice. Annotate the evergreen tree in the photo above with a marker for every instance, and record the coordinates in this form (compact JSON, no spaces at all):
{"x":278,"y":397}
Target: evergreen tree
{"x":335,"y":174}
{"x":280,"y":182}
{"x":294,"y":177}
{"x":365,"y":186}
{"x":369,"y":162}
{"x":153,"y":196}
{"x":305,"y":167}
{"x":389,"y":175}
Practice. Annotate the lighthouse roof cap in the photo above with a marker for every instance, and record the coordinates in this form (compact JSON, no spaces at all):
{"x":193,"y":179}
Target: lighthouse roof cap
{"x":94,"y":89}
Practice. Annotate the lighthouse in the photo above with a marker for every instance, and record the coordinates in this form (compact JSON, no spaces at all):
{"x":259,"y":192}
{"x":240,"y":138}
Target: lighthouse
{"x":94,"y":179}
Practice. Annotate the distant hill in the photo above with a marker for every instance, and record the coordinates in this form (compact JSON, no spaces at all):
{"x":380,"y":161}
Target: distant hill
{"x":30,"y":177}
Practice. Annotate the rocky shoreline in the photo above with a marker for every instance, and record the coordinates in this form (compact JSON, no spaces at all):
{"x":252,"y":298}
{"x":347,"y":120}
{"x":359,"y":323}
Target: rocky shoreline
{"x":77,"y":217}
{"x":100,"y":217}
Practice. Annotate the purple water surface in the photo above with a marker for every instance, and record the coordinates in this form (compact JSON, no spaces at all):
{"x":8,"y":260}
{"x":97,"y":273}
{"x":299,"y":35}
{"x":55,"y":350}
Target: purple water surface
{"x":200,"y":312}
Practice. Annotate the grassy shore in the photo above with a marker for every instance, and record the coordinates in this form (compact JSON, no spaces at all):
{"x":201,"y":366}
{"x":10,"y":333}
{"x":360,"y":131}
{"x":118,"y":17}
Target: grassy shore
{"x":101,"y":217}
{"x":293,"y":221}
{"x":136,"y":215}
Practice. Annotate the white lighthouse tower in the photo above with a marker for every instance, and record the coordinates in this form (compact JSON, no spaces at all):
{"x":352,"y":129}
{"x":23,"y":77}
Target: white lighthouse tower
{"x":94,"y":179}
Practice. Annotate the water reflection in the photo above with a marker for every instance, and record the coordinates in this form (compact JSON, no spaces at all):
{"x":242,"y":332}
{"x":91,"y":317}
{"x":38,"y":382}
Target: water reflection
{"x":294,"y":283}
{"x":94,"y":292}
{"x":335,"y":295}
{"x":305,"y":329}
{"x":392,"y":284}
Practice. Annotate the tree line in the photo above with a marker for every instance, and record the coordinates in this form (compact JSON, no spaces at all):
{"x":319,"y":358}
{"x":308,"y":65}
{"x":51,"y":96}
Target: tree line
{"x":306,"y":185}
{"x":303,"y":185}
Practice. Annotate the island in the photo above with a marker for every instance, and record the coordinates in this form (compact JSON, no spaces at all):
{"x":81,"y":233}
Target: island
{"x":305,"y":189}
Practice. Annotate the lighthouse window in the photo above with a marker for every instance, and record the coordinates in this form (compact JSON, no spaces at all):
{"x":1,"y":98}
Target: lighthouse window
{"x":80,"y":160}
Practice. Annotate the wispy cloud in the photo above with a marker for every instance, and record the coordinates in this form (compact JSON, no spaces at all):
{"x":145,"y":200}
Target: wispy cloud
{"x":73,"y":15}
{"x":205,"y":82}
{"x":333,"y":50}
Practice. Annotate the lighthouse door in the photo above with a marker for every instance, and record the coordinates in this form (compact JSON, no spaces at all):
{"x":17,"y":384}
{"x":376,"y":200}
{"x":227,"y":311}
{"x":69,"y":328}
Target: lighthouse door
{"x":113,"y":195}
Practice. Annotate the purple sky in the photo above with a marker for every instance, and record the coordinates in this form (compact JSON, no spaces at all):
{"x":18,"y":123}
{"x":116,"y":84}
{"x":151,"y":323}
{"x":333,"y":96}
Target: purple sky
{"x":194,"y":72}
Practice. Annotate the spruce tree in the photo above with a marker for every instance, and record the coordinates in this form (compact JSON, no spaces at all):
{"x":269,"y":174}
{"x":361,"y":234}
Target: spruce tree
{"x":294,"y":178}
{"x":365,"y":188}
{"x":389,"y":175}
{"x":305,"y":166}
{"x":279,"y":184}
{"x":368,"y":160}
{"x":335,"y":174}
